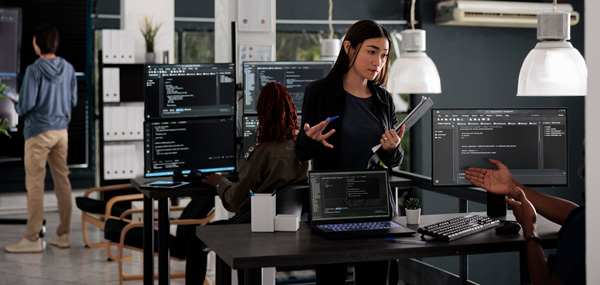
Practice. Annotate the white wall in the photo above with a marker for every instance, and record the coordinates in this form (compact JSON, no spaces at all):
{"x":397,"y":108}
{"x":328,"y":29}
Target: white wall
{"x":161,"y":11}
{"x":592,"y":138}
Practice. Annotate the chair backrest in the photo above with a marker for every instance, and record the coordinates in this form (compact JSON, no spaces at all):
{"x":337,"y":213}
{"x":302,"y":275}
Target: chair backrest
{"x":291,"y":199}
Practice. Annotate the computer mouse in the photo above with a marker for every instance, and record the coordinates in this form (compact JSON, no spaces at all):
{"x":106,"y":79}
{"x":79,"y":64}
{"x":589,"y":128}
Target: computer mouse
{"x":508,"y":228}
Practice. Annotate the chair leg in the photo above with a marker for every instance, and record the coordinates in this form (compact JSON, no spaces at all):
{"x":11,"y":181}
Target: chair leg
{"x":84,"y":233}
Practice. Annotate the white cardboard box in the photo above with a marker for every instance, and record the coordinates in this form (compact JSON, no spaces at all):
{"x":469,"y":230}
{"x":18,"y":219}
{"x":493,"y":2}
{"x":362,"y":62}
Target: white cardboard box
{"x":287,"y":223}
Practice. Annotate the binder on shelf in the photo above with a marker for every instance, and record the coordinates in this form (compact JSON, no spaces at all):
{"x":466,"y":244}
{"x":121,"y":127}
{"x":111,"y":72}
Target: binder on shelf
{"x":115,"y":84}
{"x":139,"y":124}
{"x":131,"y":121}
{"x":114,"y":44}
{"x":106,"y":91}
{"x":106,"y":46}
{"x":107,"y":120}
{"x":120,"y":122}
{"x":126,"y":46}
{"x":108,"y":172}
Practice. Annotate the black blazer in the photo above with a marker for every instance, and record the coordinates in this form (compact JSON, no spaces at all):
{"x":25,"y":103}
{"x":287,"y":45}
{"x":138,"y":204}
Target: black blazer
{"x":325,"y":98}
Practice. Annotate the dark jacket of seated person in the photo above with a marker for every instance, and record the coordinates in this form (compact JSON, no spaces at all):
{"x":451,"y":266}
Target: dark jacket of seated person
{"x":264,"y":168}
{"x":271,"y":163}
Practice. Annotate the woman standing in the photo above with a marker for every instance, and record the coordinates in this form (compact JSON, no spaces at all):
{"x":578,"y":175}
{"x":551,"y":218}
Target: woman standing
{"x":352,"y":90}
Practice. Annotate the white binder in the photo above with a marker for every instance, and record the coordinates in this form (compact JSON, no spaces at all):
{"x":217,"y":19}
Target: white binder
{"x":114,"y":44}
{"x":106,"y":46}
{"x":116,"y":84}
{"x":108,"y":172}
{"x":106,"y":91}
{"x":107,"y":113}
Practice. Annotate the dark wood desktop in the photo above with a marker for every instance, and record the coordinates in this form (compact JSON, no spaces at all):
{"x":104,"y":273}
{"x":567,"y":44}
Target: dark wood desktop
{"x":239,"y":248}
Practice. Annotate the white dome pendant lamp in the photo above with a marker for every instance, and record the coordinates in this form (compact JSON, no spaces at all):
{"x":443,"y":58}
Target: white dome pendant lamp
{"x":553,"y":67}
{"x":413,"y":72}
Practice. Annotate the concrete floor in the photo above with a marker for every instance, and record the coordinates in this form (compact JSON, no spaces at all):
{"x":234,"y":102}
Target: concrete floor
{"x":74,"y":265}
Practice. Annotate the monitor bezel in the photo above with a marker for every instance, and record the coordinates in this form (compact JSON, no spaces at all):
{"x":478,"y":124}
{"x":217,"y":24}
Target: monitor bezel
{"x":491,"y":166}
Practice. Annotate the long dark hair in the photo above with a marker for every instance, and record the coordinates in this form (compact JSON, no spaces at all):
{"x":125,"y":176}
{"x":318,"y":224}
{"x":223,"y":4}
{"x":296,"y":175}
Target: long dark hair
{"x":356,"y":35}
{"x":277,"y":115}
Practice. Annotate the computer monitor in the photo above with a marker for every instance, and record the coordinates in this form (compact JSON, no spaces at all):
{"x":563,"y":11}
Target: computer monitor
{"x":531,"y":142}
{"x":189,"y":90}
{"x":294,"y":75}
{"x":250,"y":130}
{"x":202,"y":144}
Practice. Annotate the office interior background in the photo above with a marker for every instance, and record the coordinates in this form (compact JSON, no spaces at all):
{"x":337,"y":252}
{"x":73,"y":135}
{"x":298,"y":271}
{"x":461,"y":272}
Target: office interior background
{"x":478,"y":67}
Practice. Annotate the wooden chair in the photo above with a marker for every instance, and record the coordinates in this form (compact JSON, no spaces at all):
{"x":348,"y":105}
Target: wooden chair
{"x":125,"y":234}
{"x":96,"y":212}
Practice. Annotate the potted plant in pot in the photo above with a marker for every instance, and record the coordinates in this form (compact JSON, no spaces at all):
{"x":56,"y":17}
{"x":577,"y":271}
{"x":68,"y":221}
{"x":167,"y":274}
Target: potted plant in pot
{"x":4,"y":125}
{"x":413,"y":210}
{"x":149,"y":31}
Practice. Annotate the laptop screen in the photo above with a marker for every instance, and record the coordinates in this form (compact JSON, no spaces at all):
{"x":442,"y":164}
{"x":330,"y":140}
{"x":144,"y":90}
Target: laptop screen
{"x":343,"y":195}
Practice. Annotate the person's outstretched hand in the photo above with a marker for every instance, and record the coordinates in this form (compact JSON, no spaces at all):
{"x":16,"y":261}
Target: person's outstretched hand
{"x":497,"y":181}
{"x":315,"y":133}
{"x":523,"y":211}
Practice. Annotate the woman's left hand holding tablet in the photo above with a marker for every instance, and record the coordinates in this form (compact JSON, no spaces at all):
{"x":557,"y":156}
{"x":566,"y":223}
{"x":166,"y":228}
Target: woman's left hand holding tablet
{"x":315,"y":133}
{"x":390,"y":139}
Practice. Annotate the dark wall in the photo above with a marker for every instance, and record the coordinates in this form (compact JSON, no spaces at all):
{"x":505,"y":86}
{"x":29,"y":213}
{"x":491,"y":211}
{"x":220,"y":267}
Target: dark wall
{"x":479,"y":67}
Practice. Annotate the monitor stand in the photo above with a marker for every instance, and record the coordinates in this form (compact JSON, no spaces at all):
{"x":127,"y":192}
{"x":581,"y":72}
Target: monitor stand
{"x":496,"y":208}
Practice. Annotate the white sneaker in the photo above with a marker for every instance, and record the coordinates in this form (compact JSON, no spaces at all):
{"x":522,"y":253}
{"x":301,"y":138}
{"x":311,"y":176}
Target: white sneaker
{"x":24,"y":246}
{"x":61,"y":241}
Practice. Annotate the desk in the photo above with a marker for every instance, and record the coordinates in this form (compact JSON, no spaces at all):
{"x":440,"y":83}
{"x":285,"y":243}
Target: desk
{"x":163,"y":224}
{"x":241,"y":249}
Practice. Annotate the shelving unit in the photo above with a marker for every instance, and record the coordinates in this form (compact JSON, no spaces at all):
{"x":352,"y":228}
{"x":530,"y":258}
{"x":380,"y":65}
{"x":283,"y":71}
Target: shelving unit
{"x":121,"y":122}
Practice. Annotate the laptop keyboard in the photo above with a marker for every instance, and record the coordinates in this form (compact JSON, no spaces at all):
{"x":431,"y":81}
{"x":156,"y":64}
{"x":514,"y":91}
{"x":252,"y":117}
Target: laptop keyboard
{"x":350,"y":227}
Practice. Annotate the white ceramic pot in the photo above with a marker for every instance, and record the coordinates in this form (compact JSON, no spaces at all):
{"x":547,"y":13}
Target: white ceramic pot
{"x":413,"y":216}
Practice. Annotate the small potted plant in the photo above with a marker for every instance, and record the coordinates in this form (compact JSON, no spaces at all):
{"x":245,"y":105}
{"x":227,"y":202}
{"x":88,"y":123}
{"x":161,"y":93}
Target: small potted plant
{"x":149,"y":31}
{"x":413,"y":210}
{"x":4,"y":125}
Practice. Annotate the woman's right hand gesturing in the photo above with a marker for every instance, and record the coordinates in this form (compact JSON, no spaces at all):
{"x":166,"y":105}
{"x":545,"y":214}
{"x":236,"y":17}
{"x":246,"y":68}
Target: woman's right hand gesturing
{"x":315,"y":133}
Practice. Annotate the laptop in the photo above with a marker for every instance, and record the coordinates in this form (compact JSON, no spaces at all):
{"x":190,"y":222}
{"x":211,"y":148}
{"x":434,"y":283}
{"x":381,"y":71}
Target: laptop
{"x":352,"y":203}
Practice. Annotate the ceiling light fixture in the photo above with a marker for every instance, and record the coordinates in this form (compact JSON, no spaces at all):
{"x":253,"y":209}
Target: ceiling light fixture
{"x":554,"y":67}
{"x":413,"y":72}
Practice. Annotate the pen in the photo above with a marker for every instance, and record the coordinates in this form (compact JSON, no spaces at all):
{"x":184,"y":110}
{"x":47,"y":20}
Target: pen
{"x":251,"y":193}
{"x":326,"y":120}
{"x":411,"y":241}
{"x":274,"y":192}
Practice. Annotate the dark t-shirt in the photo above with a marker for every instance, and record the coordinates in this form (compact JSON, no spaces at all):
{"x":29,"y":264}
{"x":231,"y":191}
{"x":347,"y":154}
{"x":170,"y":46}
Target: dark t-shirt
{"x":361,"y":131}
{"x":569,"y":261}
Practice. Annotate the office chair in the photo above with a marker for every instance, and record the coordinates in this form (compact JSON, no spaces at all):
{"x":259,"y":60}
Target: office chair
{"x":96,"y":212}
{"x":125,"y":234}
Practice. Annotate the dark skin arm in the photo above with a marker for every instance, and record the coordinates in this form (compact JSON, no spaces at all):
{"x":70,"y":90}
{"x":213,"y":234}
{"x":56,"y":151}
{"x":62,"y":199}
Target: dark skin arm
{"x":500,"y":181}
{"x":526,"y":215}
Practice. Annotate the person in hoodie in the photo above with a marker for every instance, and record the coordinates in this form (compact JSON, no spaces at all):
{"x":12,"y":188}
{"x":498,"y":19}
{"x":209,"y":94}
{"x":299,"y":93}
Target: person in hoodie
{"x":48,"y":92}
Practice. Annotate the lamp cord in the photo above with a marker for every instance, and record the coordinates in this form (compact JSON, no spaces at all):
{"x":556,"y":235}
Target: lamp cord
{"x":330,"y":19}
{"x":412,"y":14}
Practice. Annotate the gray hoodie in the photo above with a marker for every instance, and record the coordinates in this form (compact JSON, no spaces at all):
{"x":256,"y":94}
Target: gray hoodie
{"x":48,"y":93}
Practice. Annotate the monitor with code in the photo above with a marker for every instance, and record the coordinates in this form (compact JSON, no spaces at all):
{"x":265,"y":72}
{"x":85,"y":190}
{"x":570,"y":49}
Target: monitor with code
{"x":294,"y":75}
{"x":201,"y":144}
{"x":189,"y":90}
{"x":531,"y":142}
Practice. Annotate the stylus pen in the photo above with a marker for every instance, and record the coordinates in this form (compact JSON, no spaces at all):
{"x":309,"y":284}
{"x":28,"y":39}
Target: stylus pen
{"x":411,"y":241}
{"x":326,"y":120}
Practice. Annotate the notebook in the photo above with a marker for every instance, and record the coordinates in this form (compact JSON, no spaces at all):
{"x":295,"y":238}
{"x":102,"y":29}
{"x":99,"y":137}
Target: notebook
{"x":352,"y":203}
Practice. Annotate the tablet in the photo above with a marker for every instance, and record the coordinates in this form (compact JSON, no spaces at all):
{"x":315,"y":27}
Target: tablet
{"x":164,"y":184}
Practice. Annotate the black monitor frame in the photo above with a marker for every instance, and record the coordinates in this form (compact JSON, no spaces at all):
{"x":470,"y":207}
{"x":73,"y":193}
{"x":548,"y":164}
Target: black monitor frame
{"x":155,"y":109}
{"x":517,"y":174}
{"x":209,"y":136}
{"x":275,"y":64}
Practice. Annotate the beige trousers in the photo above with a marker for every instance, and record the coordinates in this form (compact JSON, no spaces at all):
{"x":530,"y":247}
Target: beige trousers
{"x":50,"y":147}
